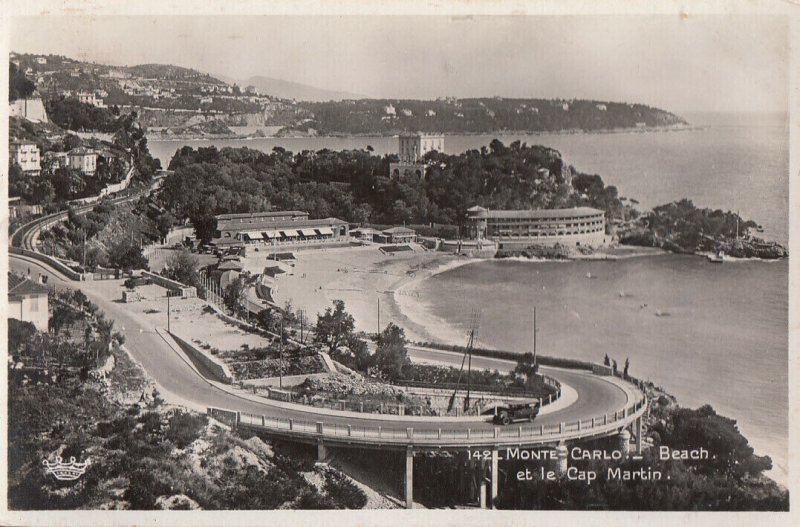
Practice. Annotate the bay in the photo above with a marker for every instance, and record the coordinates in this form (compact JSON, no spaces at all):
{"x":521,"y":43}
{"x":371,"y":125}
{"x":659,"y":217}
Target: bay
{"x":722,"y":337}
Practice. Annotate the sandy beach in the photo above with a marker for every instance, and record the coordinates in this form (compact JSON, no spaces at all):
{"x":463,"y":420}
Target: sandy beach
{"x":363,"y":277}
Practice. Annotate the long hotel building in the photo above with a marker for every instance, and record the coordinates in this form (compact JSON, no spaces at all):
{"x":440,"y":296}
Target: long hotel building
{"x":581,"y":226}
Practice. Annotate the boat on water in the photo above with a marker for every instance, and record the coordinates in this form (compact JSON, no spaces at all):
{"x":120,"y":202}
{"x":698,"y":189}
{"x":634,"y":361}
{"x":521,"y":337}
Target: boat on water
{"x":717,"y":258}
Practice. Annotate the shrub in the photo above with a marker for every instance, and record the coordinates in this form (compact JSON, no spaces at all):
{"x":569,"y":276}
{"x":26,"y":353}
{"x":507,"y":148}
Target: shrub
{"x":184,"y":428}
{"x":143,"y":490}
{"x":343,"y":491}
{"x":122,"y":425}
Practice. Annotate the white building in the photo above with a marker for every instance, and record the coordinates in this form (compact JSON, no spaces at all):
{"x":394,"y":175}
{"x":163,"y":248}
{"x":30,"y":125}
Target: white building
{"x":26,"y":155}
{"x":28,"y":302}
{"x":90,"y":98}
{"x":83,"y":159}
{"x":412,"y":146}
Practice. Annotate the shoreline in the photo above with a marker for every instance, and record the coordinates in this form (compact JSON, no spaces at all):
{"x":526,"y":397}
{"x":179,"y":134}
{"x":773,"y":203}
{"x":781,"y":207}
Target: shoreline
{"x":500,"y":133}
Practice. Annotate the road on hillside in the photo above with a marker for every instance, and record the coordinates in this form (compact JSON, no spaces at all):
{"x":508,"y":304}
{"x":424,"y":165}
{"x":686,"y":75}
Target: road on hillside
{"x":596,"y":396}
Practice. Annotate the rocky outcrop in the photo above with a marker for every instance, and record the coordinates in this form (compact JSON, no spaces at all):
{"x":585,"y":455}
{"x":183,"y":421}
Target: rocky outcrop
{"x":738,"y":248}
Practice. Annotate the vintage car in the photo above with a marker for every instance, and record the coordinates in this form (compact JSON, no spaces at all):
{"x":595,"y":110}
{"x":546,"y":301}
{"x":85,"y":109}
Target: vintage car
{"x":505,"y":415}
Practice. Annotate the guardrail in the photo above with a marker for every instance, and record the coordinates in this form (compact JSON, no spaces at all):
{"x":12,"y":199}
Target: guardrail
{"x":435,"y":437}
{"x":482,"y":388}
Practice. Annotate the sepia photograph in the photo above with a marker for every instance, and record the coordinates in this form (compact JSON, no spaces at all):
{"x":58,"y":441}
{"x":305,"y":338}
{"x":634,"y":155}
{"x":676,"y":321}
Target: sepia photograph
{"x":440,"y":260}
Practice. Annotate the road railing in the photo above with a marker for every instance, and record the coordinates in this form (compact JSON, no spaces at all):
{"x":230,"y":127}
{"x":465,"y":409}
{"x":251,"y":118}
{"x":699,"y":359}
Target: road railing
{"x":427,"y":436}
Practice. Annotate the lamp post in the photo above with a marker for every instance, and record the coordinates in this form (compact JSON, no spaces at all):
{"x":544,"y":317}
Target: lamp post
{"x":168,"y":331}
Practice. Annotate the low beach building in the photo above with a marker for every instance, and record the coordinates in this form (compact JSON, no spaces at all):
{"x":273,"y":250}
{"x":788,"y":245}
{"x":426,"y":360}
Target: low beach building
{"x":580,"y":226}
{"x":365,"y":234}
{"x":281,"y":228}
{"x":397,"y":235}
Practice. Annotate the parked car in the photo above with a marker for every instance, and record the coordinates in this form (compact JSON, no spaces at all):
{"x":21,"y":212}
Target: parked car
{"x":505,"y":415}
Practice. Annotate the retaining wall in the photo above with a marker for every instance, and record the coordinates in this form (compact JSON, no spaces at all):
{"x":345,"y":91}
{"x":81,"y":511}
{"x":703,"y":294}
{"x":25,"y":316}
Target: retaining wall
{"x":185,"y":290}
{"x":61,"y":268}
{"x":218,"y":368}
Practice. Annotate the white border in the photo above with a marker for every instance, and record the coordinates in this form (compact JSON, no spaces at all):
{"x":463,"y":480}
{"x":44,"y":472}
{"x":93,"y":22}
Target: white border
{"x":683,"y":8}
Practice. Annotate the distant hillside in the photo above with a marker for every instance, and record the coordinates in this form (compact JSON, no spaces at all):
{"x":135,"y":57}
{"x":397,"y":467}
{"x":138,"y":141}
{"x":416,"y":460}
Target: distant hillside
{"x":168,"y":72}
{"x":293,"y":90}
{"x":484,"y":115}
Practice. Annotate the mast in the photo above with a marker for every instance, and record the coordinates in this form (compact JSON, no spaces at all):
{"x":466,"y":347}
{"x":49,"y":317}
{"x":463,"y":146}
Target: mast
{"x":466,"y":359}
{"x":469,"y":366}
{"x":534,"y":338}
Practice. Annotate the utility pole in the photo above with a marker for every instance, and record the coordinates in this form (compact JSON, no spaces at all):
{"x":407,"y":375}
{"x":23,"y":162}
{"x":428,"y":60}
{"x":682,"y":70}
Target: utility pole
{"x":534,"y":339}
{"x":280,"y":351}
{"x":168,"y":331}
{"x":84,"y":250}
{"x":302,"y":324}
{"x":379,"y":315}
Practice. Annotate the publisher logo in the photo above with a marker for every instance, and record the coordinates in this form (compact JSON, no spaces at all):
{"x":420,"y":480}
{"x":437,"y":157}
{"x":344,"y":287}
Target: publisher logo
{"x":66,"y":471}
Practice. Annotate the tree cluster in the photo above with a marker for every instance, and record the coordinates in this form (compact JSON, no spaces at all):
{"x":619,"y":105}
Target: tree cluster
{"x":19,"y":87}
{"x":71,"y":114}
{"x":354,"y":185}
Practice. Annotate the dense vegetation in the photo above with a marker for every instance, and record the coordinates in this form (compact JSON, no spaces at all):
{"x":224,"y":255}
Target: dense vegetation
{"x":682,"y":227}
{"x":71,"y":114}
{"x":457,"y":116}
{"x":19,"y":87}
{"x":728,"y":480}
{"x":107,"y":235}
{"x":353,"y":184}
{"x":144,"y":455}
{"x":57,"y":184}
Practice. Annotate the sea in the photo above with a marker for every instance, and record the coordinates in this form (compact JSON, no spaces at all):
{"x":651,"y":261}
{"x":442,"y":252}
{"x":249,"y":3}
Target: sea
{"x":707,"y":333}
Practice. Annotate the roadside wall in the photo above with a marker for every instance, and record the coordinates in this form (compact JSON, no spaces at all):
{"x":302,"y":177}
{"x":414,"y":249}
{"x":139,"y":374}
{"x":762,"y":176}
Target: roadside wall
{"x":185,"y":290}
{"x":219,"y":369}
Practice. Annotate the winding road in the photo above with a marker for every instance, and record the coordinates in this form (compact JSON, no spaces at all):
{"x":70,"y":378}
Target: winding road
{"x":596,"y":395}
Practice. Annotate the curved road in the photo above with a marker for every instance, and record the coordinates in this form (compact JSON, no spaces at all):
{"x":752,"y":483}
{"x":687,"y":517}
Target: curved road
{"x":596,"y":396}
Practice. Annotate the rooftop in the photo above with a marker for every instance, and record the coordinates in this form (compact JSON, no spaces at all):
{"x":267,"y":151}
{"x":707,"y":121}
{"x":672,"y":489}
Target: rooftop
{"x":277,"y":225}
{"x":270,"y":214}
{"x":420,"y":134}
{"x":81,"y":151}
{"x":399,"y":230}
{"x":22,"y":286}
{"x":577,"y":212}
{"x":229,"y":265}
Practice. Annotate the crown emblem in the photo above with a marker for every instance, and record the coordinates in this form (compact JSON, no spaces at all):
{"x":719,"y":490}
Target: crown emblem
{"x":66,"y":471}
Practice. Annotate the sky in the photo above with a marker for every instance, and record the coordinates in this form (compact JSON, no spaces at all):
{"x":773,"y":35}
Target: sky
{"x":681,"y":64}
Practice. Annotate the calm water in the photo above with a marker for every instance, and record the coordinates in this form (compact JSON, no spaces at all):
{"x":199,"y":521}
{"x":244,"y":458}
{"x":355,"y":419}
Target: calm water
{"x":735,"y":162}
{"x":723,"y":337}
